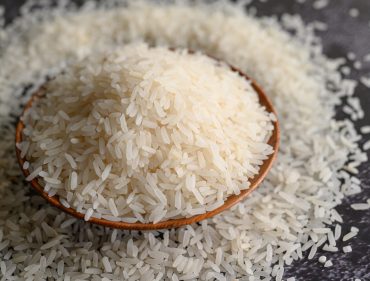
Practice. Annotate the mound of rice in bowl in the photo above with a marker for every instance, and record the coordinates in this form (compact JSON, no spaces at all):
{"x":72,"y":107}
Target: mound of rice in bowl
{"x":146,"y":134}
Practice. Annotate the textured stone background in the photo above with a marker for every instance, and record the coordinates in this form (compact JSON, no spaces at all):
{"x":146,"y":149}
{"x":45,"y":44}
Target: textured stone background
{"x":344,"y":34}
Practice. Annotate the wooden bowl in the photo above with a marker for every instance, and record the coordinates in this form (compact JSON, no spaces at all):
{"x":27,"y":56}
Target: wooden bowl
{"x":172,"y":223}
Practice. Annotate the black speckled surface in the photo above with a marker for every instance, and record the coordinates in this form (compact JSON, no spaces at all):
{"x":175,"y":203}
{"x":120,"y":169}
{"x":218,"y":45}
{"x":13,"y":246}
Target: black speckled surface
{"x":344,"y":34}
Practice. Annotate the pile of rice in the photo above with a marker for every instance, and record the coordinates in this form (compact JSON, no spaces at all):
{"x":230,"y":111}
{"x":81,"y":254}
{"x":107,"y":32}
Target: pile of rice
{"x":290,"y":217}
{"x":146,"y":134}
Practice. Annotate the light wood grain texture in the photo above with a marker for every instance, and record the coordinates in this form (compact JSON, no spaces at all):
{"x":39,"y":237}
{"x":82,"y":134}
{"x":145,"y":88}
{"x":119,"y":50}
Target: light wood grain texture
{"x":173,"y":223}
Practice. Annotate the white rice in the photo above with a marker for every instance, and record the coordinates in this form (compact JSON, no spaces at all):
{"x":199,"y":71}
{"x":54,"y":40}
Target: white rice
{"x":347,"y":249}
{"x":354,"y":229}
{"x":365,"y":80}
{"x":353,"y":12}
{"x":365,"y":130}
{"x":106,"y":264}
{"x":88,"y":214}
{"x":351,"y":56}
{"x":360,"y":206}
{"x":349,"y":236}
{"x":329,"y":248}
{"x":357,"y":65}
{"x":210,"y":122}
{"x":338,"y":231}
{"x":366,"y":58}
{"x":320,"y":4}
{"x":34,"y":48}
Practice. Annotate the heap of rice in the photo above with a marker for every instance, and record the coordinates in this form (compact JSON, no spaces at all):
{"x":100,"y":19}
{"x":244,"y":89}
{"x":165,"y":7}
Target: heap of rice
{"x":292,"y":216}
{"x":145,"y":134}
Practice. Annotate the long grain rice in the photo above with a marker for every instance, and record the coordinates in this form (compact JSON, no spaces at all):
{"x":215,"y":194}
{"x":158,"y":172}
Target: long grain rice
{"x":39,"y":45}
{"x":232,"y":125}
